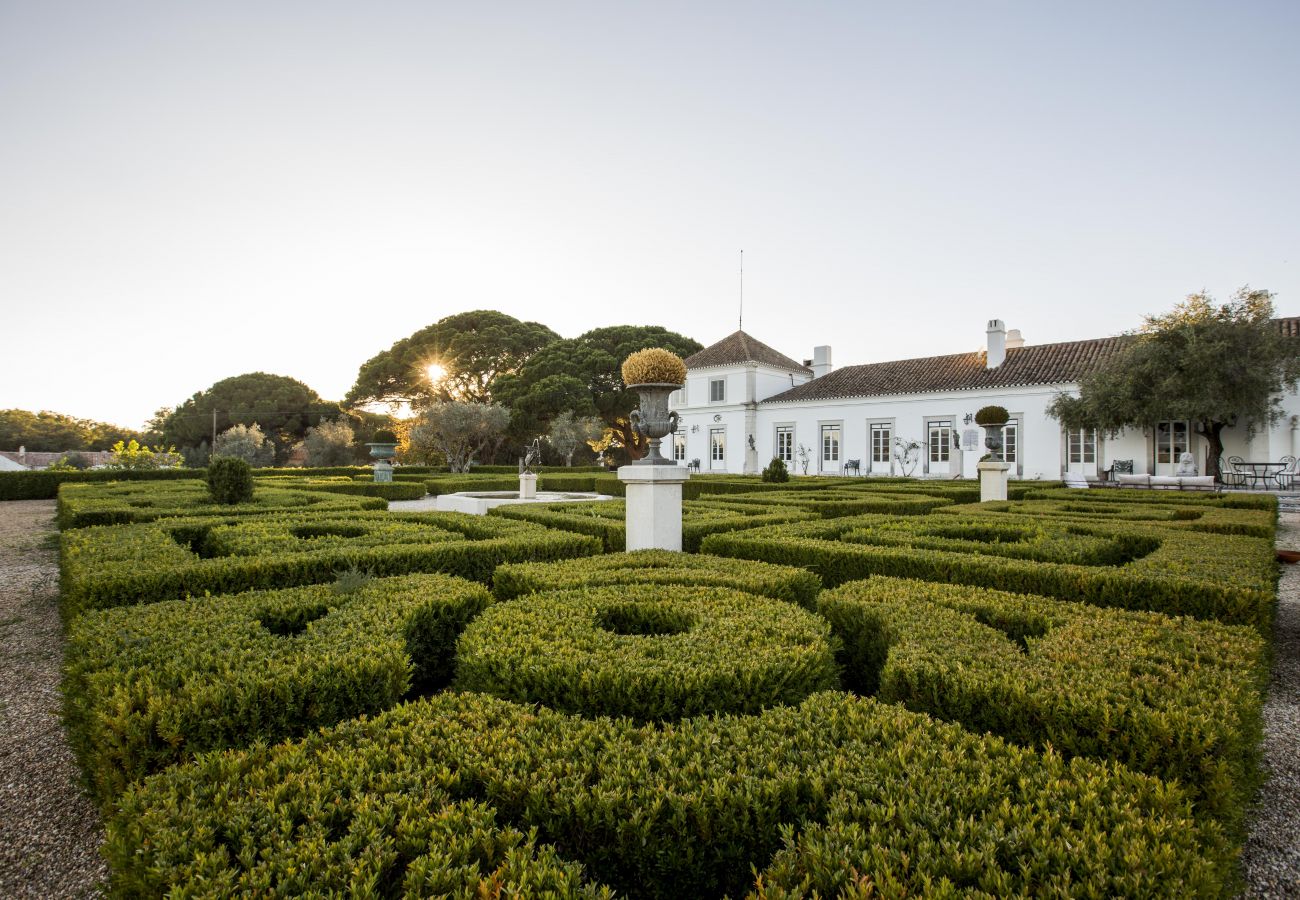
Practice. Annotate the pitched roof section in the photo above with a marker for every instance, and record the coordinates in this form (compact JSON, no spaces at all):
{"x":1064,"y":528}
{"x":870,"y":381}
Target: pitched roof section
{"x":1039,"y":364}
{"x":739,"y":348}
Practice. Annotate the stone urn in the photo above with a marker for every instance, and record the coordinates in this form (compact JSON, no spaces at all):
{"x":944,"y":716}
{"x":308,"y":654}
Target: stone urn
{"x":653,"y":420}
{"x":992,"y":419}
{"x":382,"y":450}
{"x":993,"y":441}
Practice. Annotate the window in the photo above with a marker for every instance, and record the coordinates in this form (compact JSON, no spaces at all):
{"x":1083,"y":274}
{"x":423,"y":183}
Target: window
{"x":785,"y":443}
{"x":1171,"y":441}
{"x":1083,"y":445}
{"x":717,"y":448}
{"x":1011,"y":442}
{"x":679,"y":447}
{"x":830,"y":446}
{"x":717,"y":390}
{"x":676,"y":398}
{"x":882,"y":444}
{"x":940,"y":440}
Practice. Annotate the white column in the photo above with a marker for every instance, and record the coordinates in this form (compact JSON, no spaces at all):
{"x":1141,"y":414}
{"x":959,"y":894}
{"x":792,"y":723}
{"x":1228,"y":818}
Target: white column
{"x":993,"y":480}
{"x":527,"y":486}
{"x":654,"y":506}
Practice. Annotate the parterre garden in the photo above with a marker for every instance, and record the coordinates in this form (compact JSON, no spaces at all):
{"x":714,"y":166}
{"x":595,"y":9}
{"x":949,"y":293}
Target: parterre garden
{"x":846,"y":688}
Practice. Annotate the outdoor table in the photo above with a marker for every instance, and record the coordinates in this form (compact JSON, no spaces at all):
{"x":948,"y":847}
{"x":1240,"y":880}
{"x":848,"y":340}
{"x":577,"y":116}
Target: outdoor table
{"x":1259,"y":472}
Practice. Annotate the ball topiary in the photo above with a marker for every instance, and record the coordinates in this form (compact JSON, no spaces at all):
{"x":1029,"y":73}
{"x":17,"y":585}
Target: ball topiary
{"x":776,"y":471}
{"x":654,"y":366}
{"x":384,"y":436}
{"x":230,"y":480}
{"x":992,"y":415}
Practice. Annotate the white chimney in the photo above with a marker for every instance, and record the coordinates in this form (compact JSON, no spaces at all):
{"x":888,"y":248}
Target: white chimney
{"x":997,"y":344}
{"x":821,"y":361}
{"x":1014,"y":339}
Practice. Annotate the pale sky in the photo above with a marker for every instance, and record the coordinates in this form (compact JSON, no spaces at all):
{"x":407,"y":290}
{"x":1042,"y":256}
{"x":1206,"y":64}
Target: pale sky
{"x":190,"y":191}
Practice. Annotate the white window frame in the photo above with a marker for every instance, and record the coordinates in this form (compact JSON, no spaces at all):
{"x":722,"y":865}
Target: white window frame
{"x":945,"y":456}
{"x":833,"y":463}
{"x":875,"y":426}
{"x":679,"y":447}
{"x":1173,"y":427}
{"x":1016,"y":422}
{"x":1081,"y":446}
{"x":722,"y":391}
{"x":718,"y":451}
{"x":784,"y":429}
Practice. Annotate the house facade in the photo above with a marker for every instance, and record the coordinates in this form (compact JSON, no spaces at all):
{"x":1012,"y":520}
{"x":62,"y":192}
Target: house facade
{"x":745,"y":403}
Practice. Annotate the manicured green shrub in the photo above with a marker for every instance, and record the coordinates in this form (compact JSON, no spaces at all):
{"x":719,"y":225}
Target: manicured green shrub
{"x":776,"y":472}
{"x":1222,"y":577}
{"x":114,"y":503}
{"x":391,"y":490}
{"x":861,"y":794}
{"x":173,"y":558}
{"x":557,"y":482}
{"x":454,"y":484}
{"x":658,"y":567}
{"x":1175,"y":698}
{"x":658,"y":653}
{"x":992,"y":415}
{"x":606,"y":520}
{"x":1212,"y":518}
{"x":230,"y":480}
{"x":44,"y":485}
{"x":832,"y":504}
{"x":149,"y":686}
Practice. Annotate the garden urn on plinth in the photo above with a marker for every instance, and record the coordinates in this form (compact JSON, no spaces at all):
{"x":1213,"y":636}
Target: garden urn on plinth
{"x":654,"y":483}
{"x":382,"y":450}
{"x":993,"y":470}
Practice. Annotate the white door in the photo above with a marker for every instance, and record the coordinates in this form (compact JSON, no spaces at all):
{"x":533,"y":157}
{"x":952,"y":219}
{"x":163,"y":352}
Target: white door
{"x":831,"y":449}
{"x":882,"y":449}
{"x":1081,"y":451}
{"x":1172,"y":441}
{"x":718,"y":449}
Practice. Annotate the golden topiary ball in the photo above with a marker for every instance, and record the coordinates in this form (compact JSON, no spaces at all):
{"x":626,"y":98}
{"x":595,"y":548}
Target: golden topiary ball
{"x":654,"y":366}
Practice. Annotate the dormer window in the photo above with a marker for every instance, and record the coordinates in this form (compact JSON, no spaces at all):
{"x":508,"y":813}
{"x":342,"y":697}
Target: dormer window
{"x":717,"y":390}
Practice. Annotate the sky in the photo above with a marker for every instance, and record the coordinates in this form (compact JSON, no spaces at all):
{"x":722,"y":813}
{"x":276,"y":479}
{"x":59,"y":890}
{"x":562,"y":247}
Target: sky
{"x":192,"y":191}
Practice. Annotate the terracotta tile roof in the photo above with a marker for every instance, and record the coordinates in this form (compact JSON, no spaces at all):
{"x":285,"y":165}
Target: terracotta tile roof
{"x":1039,"y":364}
{"x":739,"y":348}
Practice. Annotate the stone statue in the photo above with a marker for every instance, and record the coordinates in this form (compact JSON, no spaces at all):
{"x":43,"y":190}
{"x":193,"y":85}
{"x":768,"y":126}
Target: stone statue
{"x":1187,"y":465}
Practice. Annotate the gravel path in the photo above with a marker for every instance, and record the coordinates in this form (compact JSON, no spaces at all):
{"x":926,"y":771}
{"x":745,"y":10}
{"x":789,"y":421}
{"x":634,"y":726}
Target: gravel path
{"x":49,"y":831}
{"x":1271,"y":857}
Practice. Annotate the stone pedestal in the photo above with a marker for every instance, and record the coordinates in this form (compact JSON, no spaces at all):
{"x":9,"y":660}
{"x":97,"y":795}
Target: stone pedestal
{"x":527,"y":486}
{"x":993,"y":480}
{"x":383,"y":471}
{"x":654,"y":506}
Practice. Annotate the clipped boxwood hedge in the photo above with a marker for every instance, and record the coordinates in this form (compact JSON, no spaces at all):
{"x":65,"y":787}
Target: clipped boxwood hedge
{"x":44,"y":485}
{"x":82,"y":505}
{"x":1211,"y":518}
{"x":388,"y":490}
{"x":658,"y":567}
{"x":830,"y":504}
{"x":661,"y":653}
{"x":148,"y":686}
{"x":849,"y":794}
{"x":172,"y":558}
{"x":607,"y":520}
{"x":1208,"y":576}
{"x":1176,"y":698}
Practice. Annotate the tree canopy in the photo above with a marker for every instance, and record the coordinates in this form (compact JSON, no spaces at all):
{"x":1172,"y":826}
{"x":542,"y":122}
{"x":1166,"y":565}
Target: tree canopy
{"x":472,"y":349}
{"x":1213,"y":364}
{"x":52,"y":432}
{"x":583,"y":374}
{"x":458,"y":432}
{"x":283,"y":407}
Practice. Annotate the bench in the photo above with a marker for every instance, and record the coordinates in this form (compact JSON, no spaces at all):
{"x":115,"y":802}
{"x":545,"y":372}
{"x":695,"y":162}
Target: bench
{"x":854,"y":465}
{"x":1166,"y":482}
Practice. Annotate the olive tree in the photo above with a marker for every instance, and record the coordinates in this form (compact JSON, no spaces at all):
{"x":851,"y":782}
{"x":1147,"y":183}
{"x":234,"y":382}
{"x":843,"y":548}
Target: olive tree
{"x":458,"y":432}
{"x":568,"y":432}
{"x":330,"y":444}
{"x":1213,"y":364}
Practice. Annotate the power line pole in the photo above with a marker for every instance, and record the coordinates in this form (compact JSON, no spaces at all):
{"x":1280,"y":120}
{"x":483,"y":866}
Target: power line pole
{"x":213,"y":445}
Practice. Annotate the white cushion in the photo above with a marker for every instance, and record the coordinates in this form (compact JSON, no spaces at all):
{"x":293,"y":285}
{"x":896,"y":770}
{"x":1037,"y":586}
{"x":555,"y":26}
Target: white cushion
{"x":1197,"y":481}
{"x":1164,"y":481}
{"x":1134,"y":480}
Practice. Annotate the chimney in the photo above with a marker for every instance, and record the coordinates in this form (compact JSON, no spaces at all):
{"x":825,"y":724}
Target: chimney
{"x":1014,"y":339}
{"x":821,"y":361}
{"x":997,"y":343}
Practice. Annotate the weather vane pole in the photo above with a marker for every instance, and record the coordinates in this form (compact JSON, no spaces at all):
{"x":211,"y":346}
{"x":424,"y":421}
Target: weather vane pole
{"x":741,"y":323}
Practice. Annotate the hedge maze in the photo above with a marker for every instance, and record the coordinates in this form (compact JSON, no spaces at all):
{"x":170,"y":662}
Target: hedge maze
{"x":846,"y":687}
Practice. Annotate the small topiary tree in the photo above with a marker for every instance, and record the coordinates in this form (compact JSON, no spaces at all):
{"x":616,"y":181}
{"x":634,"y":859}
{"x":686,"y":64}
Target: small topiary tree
{"x":384,"y":436}
{"x":776,"y":472}
{"x":992,"y":415}
{"x":230,"y":480}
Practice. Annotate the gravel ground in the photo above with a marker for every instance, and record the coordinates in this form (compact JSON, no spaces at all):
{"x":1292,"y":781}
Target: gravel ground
{"x":1271,"y":857}
{"x":50,"y":832}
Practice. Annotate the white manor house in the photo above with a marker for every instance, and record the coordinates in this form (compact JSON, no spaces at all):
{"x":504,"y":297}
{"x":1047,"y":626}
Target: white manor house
{"x":744,"y":403}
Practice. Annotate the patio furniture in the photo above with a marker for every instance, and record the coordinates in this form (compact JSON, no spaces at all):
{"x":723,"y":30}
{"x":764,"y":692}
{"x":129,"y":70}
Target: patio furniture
{"x":854,"y":465}
{"x":1166,"y":482}
{"x":1117,"y":467}
{"x":1286,"y":478}
{"x":1261,"y":473}
{"x":694,"y":465}
{"x":1229,"y":474}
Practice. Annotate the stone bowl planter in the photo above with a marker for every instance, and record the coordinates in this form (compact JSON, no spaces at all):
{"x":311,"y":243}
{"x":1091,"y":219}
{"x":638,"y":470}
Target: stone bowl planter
{"x":382,"y":451}
{"x":653,"y":420}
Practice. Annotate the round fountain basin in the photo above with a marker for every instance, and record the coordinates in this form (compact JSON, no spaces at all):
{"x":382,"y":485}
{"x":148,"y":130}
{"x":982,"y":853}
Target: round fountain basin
{"x":479,"y":502}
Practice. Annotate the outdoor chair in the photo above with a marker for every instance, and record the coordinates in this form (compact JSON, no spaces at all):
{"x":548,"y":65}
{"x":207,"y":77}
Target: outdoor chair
{"x":1286,"y":478}
{"x":694,"y":465}
{"x":1117,"y":467}
{"x":1229,"y":474}
{"x":853,"y":465}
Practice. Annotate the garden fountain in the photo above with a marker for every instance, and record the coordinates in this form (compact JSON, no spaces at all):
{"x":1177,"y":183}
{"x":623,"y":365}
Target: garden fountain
{"x":479,"y":502}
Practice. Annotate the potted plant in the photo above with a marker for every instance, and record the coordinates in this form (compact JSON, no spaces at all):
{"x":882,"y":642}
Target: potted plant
{"x":992,"y":419}
{"x":654,"y":374}
{"x":384,"y":446}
